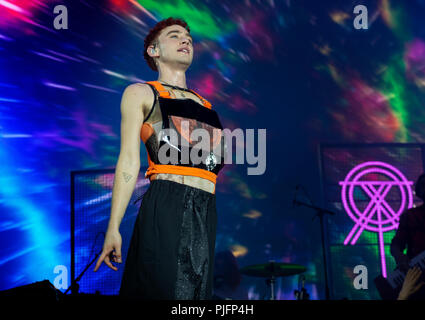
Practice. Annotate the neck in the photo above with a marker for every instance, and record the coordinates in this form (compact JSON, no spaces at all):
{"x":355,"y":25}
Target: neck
{"x":173,"y":77}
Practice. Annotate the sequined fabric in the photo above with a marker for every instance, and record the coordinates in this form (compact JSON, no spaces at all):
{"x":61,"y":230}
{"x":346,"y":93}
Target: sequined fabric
{"x":193,"y":256}
{"x":171,"y":252}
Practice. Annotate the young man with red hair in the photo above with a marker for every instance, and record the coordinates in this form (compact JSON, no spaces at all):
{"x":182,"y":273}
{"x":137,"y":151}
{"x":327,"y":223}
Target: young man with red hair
{"x":171,"y":253}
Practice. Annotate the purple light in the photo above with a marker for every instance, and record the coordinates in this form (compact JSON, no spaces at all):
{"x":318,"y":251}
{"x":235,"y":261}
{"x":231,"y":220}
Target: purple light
{"x":11,"y":6}
{"x":377,"y":191}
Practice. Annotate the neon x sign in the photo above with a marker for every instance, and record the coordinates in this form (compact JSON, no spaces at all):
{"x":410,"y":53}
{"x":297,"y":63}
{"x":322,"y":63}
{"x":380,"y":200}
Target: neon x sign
{"x":378,"y":215}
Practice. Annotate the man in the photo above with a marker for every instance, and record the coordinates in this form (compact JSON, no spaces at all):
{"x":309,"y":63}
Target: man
{"x":411,"y":233}
{"x":171,"y":253}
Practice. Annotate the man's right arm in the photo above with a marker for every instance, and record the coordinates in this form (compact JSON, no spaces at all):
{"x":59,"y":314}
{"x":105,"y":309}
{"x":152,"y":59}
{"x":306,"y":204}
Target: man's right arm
{"x":133,"y":109}
{"x":133,"y":105}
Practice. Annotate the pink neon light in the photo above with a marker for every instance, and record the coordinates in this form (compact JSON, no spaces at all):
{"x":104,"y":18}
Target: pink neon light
{"x":377,"y":191}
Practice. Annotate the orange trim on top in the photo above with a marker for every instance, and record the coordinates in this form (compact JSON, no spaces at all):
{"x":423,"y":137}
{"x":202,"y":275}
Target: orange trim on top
{"x":206,"y":103}
{"x":146,"y":131}
{"x":163,"y":93}
{"x":181,"y":170}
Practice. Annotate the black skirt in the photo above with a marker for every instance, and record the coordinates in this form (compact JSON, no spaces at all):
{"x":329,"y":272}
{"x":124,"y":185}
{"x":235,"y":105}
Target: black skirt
{"x":171,"y":253}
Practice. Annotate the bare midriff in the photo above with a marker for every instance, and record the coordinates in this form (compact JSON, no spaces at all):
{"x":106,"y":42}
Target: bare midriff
{"x":192,"y":181}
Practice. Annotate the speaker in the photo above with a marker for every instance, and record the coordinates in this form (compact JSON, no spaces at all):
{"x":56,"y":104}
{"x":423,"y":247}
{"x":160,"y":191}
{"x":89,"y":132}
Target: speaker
{"x":41,"y":291}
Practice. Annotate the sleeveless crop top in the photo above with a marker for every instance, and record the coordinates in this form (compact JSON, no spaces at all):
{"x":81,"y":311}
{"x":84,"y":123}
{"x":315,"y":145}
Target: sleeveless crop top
{"x":171,"y":129}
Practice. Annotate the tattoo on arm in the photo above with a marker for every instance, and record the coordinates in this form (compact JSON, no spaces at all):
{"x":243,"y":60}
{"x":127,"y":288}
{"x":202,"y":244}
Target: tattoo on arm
{"x":127,"y":176}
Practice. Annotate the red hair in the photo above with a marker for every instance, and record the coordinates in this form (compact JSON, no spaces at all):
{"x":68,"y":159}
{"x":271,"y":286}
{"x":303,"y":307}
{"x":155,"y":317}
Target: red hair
{"x":154,"y":33}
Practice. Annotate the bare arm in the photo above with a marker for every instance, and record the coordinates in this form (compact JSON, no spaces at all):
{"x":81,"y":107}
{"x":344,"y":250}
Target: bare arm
{"x":133,"y":106}
{"x":128,"y":164}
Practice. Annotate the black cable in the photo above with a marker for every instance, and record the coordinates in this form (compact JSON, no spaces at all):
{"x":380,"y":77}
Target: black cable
{"x":307,"y":194}
{"x":75,"y":281}
{"x":94,"y":243}
{"x":175,"y":87}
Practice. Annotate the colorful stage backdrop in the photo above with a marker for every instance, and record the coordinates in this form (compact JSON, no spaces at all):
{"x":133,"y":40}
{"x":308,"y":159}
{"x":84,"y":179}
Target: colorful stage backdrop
{"x":296,"y":68}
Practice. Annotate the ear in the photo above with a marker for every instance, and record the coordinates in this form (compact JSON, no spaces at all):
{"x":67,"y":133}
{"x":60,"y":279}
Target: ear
{"x":151,"y":50}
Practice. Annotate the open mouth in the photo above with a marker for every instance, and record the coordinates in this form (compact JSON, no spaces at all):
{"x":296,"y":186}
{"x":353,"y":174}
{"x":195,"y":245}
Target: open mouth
{"x":184,"y":51}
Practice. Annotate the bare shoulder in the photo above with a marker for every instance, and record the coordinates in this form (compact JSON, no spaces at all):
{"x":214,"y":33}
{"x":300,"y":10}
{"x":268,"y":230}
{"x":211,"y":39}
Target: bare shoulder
{"x":140,"y":95}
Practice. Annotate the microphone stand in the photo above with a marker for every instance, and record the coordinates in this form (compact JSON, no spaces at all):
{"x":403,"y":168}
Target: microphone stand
{"x":320,"y":213}
{"x":75,"y":287}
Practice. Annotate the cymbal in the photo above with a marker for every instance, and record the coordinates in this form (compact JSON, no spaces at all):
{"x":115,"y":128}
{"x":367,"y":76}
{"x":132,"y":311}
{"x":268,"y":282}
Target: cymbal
{"x":272,"y":268}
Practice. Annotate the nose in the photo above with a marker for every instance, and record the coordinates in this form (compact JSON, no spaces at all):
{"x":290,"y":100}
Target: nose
{"x":185,"y":40}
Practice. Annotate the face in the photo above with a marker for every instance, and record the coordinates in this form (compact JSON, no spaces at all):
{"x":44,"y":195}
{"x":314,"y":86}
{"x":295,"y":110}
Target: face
{"x":171,"y":44}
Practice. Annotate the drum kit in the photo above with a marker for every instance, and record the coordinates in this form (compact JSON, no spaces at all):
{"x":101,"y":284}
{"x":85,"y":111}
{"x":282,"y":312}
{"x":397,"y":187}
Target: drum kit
{"x":273,"y":270}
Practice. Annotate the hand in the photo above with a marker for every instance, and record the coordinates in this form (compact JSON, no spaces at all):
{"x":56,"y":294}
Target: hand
{"x":410,"y":285}
{"x":111,"y":250}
